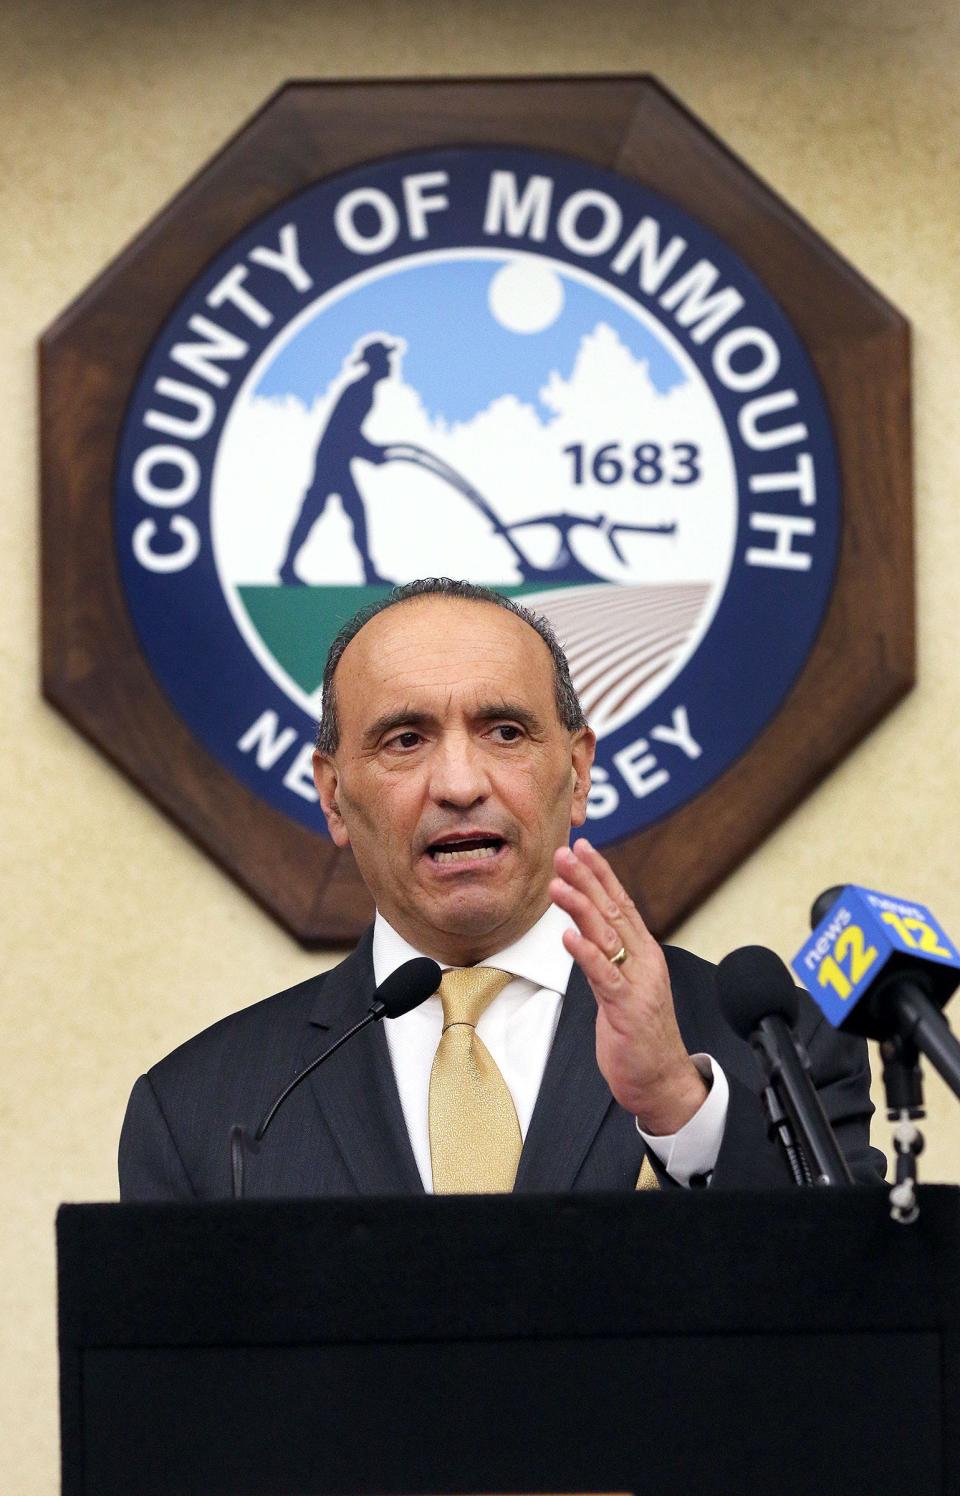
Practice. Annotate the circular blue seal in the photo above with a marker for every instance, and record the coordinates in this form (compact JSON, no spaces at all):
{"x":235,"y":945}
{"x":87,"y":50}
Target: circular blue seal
{"x":500,"y":365}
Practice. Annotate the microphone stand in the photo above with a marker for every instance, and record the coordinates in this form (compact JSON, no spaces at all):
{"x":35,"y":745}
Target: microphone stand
{"x":903,"y":1086}
{"x":786,"y":1067}
{"x":919,"y":1027}
{"x":778,"y":1125}
{"x":921,"y":1023}
{"x":238,"y":1151}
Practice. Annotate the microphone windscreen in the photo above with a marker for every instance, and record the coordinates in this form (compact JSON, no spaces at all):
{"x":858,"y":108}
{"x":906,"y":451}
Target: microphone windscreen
{"x":408,"y":986}
{"x":823,"y":903}
{"x":753,"y":984}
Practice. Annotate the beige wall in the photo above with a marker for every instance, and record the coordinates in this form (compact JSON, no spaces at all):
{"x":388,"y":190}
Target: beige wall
{"x":120,"y":938}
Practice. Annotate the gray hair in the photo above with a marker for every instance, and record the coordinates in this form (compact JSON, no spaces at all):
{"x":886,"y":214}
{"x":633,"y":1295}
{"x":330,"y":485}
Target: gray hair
{"x":569,"y":709}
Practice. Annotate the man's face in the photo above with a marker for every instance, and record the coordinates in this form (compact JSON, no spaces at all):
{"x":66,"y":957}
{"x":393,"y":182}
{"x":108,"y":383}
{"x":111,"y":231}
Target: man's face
{"x":454,"y":782}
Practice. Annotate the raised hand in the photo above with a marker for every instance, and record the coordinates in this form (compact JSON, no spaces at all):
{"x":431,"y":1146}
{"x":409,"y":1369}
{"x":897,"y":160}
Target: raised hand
{"x":640,"y":1051}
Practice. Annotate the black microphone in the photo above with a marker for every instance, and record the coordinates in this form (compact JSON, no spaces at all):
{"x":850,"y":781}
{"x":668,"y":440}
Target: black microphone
{"x":824,"y":902}
{"x":906,"y":988}
{"x":759,"y":1001}
{"x":404,"y":989}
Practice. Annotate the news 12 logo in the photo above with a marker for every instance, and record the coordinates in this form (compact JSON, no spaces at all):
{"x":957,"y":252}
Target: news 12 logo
{"x":864,"y":937}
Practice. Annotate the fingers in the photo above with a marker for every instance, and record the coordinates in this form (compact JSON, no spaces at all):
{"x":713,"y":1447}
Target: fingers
{"x":590,"y":892}
{"x":606,"y":980}
{"x":607,"y":880}
{"x":640,"y":1050}
{"x":582,"y":908}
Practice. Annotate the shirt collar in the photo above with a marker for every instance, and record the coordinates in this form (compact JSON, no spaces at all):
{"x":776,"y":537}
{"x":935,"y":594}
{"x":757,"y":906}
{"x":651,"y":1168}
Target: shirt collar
{"x":539,"y":955}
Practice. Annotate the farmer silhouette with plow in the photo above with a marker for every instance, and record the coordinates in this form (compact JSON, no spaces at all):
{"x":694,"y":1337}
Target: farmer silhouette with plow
{"x":342,"y":441}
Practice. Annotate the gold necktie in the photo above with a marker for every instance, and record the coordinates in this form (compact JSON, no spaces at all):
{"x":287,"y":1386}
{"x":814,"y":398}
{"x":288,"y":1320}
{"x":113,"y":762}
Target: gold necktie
{"x":475,"y":1137}
{"x":647,"y":1179}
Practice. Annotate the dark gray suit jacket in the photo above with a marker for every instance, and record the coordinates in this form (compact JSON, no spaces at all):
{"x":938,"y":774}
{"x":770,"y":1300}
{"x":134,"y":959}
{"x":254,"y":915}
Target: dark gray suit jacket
{"x":343,"y":1132}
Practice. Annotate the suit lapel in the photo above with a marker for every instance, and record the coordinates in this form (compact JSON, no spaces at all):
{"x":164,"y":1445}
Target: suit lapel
{"x":573,"y":1101}
{"x":355,"y":1090}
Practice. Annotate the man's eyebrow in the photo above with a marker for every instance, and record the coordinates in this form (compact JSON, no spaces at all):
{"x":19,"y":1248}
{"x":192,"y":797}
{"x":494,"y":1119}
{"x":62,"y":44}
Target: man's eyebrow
{"x":390,"y":721}
{"x":501,"y":711}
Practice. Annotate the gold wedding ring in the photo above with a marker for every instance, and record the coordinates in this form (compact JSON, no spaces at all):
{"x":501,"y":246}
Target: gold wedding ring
{"x":620,"y":957}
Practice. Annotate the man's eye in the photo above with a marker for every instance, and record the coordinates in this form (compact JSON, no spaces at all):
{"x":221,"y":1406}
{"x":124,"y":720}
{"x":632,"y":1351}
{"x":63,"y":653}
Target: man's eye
{"x":404,"y":740}
{"x":508,"y":732}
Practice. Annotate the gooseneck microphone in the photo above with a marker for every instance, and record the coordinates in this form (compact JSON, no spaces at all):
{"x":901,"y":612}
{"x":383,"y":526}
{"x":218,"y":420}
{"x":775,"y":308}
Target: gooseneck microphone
{"x":404,"y":989}
{"x":759,"y":1001}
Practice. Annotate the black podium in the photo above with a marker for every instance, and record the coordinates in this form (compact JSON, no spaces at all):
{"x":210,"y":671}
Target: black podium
{"x":659,"y":1343}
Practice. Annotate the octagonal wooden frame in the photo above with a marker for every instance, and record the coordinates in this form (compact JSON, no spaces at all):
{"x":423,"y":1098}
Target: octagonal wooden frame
{"x":93,"y":669}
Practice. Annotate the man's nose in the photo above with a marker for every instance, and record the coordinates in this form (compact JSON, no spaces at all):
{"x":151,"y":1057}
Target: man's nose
{"x":458,"y":772}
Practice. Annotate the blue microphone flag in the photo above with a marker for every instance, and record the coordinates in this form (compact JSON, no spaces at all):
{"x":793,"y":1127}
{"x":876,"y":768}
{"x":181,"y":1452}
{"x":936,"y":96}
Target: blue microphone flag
{"x":865,"y":938}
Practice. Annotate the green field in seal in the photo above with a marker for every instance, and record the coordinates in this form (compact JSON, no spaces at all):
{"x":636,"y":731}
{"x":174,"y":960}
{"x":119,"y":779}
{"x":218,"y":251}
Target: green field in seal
{"x":298,"y":624}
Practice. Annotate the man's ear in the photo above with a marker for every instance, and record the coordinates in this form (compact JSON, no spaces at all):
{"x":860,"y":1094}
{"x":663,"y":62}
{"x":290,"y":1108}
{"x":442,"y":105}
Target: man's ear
{"x":581,"y":750}
{"x":327,"y":780}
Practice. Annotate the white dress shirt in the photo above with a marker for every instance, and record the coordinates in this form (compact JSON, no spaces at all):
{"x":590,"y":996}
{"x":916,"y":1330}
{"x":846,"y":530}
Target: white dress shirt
{"x":518,"y":1029}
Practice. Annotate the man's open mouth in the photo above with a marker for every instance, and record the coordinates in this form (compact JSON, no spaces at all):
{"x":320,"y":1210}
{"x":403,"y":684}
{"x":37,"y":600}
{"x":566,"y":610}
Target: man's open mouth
{"x":469,"y":849}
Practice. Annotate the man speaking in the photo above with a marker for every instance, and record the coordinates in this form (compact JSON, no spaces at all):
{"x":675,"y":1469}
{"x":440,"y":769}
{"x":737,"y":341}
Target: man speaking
{"x":565,"y":1050}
